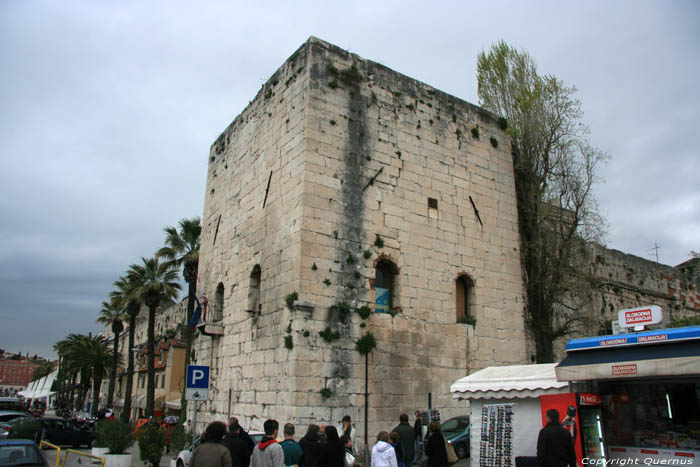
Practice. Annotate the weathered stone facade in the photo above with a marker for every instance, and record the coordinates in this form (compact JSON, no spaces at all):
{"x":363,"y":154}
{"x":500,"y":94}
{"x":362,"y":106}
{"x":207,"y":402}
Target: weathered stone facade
{"x":340,"y":166}
{"x":620,"y":281}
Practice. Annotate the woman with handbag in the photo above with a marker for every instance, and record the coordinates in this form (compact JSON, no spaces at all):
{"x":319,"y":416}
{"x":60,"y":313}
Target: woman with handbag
{"x":436,"y":447}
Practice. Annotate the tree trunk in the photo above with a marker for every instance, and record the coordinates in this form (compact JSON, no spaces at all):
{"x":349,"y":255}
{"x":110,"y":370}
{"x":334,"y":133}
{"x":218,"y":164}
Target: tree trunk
{"x":96,"y":383}
{"x":113,"y":371}
{"x":126,"y":415}
{"x":152,"y":302}
{"x":191,"y":291}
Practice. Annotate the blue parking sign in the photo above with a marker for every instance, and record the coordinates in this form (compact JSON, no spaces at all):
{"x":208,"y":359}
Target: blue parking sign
{"x":197,"y":377}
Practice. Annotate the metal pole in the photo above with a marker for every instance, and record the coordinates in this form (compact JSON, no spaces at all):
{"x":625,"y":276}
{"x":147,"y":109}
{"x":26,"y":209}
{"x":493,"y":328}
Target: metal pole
{"x":194,"y":422}
{"x":366,"y":407}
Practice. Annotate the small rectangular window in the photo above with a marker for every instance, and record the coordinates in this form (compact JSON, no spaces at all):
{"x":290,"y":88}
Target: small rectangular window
{"x":432,"y":208}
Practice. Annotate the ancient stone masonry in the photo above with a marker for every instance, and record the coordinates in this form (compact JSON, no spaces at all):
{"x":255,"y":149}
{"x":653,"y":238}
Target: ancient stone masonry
{"x":622,"y":281}
{"x":340,"y":180}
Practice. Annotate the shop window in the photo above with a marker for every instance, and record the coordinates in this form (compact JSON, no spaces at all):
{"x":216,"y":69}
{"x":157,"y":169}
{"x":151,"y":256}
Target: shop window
{"x":464,"y":298}
{"x":254,"y":304}
{"x":162,"y":381}
{"x":384,"y":286}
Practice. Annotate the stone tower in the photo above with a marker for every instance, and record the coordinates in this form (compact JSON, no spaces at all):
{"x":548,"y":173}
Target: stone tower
{"x":345,"y":185}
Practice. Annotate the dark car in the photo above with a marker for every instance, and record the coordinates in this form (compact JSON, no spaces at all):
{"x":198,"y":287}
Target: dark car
{"x":9,"y":415}
{"x":21,"y":452}
{"x":456,"y":432}
{"x":63,"y":432}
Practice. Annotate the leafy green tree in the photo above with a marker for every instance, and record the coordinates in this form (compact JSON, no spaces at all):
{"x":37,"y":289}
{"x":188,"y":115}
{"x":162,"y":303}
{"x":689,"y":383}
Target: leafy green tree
{"x":113,"y":314}
{"x":124,"y":294}
{"x":555,"y":169}
{"x":152,"y":282}
{"x":182,"y":250}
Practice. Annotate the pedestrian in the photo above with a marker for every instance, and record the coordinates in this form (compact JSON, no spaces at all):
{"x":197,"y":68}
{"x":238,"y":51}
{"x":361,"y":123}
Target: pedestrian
{"x":554,"y":445}
{"x":407,"y":435}
{"x":395,"y":439}
{"x":237,"y":446}
{"x":418,"y":437}
{"x":292,"y":449}
{"x":234,"y":426}
{"x":312,"y":446}
{"x":382,"y":453}
{"x":346,"y":429}
{"x":268,"y":452}
{"x":349,"y":454}
{"x":334,"y":450}
{"x":435,"y":447}
{"x":211,"y":453}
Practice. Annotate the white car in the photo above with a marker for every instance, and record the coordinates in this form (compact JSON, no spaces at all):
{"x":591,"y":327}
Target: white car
{"x":184,"y":456}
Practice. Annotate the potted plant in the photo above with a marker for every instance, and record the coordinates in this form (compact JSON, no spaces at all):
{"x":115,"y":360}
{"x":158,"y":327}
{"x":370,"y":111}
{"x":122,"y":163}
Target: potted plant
{"x":116,"y":436}
{"x":177,"y":442}
{"x":151,"y":440}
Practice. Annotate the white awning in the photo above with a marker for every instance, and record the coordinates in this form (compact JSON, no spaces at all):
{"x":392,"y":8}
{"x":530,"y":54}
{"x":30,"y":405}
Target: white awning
{"x":508,"y":382}
{"x":173,"y":404}
{"x":138,"y":401}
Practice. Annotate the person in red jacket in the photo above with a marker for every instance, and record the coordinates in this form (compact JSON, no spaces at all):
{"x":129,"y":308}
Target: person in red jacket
{"x":554,"y":445}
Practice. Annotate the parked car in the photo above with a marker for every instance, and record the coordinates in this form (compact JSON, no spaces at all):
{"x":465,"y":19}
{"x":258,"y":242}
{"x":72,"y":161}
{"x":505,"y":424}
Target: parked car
{"x":9,"y":415}
{"x":21,"y":452}
{"x":10,"y":403}
{"x":63,"y":432}
{"x":456,"y":432}
{"x":184,"y":456}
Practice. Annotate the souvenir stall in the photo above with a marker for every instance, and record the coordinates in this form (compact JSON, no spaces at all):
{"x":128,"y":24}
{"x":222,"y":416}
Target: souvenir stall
{"x":505,"y":412}
{"x":647,"y":387}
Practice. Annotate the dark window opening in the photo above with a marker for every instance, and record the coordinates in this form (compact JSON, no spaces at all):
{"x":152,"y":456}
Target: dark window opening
{"x":464,"y":300}
{"x":254,"y":304}
{"x":384,"y":287}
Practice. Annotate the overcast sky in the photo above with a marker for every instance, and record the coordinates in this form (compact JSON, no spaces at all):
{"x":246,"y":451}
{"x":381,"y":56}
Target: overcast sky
{"x":108,"y":109}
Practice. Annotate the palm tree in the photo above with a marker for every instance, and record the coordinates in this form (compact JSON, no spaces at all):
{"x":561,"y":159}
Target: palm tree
{"x":182,"y":249}
{"x":94,"y":353}
{"x":124,"y":294}
{"x":89,"y":356}
{"x":113,"y":314}
{"x":152,"y":282}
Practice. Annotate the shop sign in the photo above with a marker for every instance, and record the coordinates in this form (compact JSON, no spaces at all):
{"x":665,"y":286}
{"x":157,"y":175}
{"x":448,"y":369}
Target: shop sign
{"x":627,"y":369}
{"x":381,"y":301}
{"x":589,"y":399}
{"x":639,"y":317}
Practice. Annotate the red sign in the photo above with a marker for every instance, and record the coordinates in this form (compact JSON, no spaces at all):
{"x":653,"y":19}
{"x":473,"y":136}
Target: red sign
{"x":589,"y":399}
{"x":652,"y":338}
{"x":628,"y":369}
{"x":618,"y":341}
{"x":637,"y":317}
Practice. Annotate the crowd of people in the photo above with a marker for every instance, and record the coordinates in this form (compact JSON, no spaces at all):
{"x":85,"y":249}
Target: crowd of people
{"x":321,"y":446}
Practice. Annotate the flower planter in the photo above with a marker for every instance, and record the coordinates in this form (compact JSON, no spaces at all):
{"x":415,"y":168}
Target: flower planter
{"x":117,"y":460}
{"x":99,"y":452}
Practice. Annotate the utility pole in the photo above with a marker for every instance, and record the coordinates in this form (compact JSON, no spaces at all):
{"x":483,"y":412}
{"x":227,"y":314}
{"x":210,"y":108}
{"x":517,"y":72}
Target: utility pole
{"x":656,"y":249}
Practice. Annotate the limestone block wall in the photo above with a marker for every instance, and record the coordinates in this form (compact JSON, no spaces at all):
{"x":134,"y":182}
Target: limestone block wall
{"x":367,"y":166}
{"x":626,"y":281}
{"x":252,"y":216}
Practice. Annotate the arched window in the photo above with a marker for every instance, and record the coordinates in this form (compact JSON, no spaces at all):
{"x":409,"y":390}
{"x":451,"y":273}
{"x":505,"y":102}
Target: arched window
{"x":464,"y":299}
{"x":217,"y":311}
{"x":254,"y":305}
{"x":384,"y":289}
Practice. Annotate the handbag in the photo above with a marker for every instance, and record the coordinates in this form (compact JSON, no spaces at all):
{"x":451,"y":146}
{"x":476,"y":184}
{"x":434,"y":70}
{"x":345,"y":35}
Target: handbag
{"x":451,"y":454}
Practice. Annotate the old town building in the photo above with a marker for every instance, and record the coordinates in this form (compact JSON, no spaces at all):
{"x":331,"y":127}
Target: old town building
{"x":348,"y":200}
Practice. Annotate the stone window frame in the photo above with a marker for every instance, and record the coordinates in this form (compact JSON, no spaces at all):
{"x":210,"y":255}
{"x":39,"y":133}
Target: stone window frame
{"x":395,"y":283}
{"x":464,"y":292}
{"x":254,"y":289}
{"x":217,"y":310}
